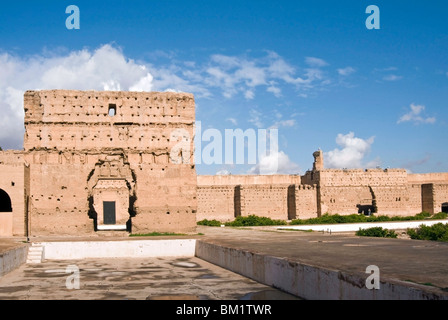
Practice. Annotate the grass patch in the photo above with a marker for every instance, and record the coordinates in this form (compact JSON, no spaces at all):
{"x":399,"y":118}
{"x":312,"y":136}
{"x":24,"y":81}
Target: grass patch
{"x":156,"y":234}
{"x":378,"y":232}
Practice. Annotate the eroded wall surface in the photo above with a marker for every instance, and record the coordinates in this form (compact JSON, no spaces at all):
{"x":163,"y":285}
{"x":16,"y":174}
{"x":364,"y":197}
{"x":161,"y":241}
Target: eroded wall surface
{"x":14,"y":189}
{"x":136,"y":149}
{"x":333,"y":191}
{"x":76,"y":139}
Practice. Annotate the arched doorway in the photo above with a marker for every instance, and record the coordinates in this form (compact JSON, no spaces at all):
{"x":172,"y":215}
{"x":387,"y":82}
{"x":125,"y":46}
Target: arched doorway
{"x":445,"y":207}
{"x":5,"y":214}
{"x":112,"y":194}
{"x":5,"y":202}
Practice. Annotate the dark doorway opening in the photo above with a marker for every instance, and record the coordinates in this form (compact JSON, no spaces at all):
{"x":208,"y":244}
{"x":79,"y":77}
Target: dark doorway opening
{"x":109,"y":216}
{"x":445,"y":207}
{"x":367,"y":210}
{"x":5,"y":202}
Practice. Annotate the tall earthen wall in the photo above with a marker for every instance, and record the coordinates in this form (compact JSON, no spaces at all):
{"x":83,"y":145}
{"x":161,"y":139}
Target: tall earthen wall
{"x":342,"y":190}
{"x":225,"y":197}
{"x":216,"y":202}
{"x":305,"y":202}
{"x":14,"y":183}
{"x":68,"y":133}
{"x":434,"y":196}
{"x":265,"y":201}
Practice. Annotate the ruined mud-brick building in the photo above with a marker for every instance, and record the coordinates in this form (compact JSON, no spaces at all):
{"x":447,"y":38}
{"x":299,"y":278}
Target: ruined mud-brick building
{"x":320,"y":191}
{"x":95,"y":161}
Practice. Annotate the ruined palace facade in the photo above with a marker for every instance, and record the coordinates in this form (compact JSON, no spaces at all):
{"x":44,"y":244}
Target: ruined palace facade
{"x":320,"y":191}
{"x":98,"y":161}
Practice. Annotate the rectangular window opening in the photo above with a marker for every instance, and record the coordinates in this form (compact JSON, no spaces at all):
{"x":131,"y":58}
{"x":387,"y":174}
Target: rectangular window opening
{"x":112,"y":110}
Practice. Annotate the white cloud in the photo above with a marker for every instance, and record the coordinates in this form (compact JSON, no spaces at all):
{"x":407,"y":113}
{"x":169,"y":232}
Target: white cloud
{"x":392,"y":77}
{"x":255,"y":118}
{"x":351,"y":154}
{"x":249,"y":94}
{"x":233,"y":121}
{"x":251,"y":74}
{"x":275,"y":90}
{"x":346,"y":71}
{"x":283,"y":123}
{"x":386,"y":69}
{"x":105,"y":68}
{"x":315,"y":62}
{"x":234,"y":75}
{"x":280,"y":69}
{"x":275,"y":163}
{"x":415,"y":115}
{"x":226,"y":61}
{"x":144,"y":84}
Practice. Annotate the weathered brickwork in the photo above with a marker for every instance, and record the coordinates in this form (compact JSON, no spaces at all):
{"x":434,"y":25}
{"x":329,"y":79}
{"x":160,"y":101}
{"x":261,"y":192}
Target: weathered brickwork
{"x":85,"y":149}
{"x":95,"y":161}
{"x":320,"y":191}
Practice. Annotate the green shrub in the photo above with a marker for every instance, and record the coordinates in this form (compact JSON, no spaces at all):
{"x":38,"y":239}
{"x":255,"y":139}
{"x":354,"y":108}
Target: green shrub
{"x":436,"y":232}
{"x":253,"y":220}
{"x":210,"y":223}
{"x":376,"y":232}
{"x":379,"y":219}
{"x":440,"y":215}
{"x":358,"y":218}
{"x":333,"y":219}
{"x":422,"y":215}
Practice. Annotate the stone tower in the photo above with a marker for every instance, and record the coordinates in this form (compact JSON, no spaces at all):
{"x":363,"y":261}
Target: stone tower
{"x":318,"y":160}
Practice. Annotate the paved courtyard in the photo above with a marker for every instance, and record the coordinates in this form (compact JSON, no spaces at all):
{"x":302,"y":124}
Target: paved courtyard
{"x":131,"y":279}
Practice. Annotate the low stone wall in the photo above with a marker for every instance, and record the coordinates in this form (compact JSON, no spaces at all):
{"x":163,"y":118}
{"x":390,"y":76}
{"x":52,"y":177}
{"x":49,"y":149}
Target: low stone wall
{"x":118,"y":249}
{"x":307,"y":281}
{"x":12,"y":258}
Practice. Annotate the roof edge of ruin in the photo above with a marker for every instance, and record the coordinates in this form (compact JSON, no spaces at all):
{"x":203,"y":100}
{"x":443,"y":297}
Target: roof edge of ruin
{"x":111,"y":92}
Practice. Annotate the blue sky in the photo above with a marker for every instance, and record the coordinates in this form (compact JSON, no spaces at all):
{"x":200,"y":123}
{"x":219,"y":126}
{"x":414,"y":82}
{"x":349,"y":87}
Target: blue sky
{"x":310,"y":69}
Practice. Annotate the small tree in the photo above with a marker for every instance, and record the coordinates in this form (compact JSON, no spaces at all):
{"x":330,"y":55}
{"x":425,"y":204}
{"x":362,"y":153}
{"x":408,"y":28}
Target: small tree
{"x":1,"y":149}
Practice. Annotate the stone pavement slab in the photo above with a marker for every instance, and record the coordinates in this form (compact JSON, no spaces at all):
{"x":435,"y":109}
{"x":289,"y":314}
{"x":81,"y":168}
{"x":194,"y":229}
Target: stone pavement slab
{"x":130,"y":279}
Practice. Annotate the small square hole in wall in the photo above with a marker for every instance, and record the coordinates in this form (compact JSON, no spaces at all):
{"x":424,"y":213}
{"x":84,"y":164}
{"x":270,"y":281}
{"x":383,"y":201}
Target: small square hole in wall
{"x":112,"y":110}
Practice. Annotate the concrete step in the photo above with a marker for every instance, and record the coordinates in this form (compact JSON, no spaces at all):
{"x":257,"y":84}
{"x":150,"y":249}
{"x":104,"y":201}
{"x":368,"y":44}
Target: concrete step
{"x":108,"y":233}
{"x":35,"y":253}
